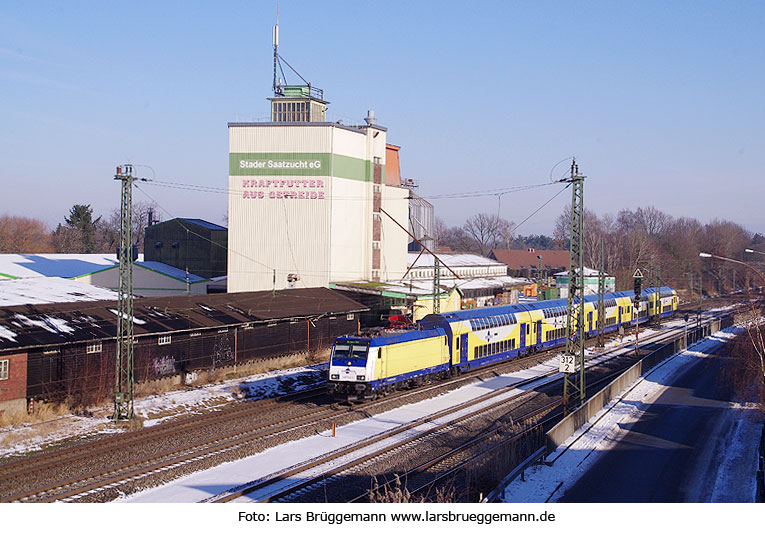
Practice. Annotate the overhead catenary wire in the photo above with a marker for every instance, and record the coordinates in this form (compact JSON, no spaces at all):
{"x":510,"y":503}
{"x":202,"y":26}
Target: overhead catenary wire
{"x":455,"y":195}
{"x":203,"y":237}
{"x":268,"y":269}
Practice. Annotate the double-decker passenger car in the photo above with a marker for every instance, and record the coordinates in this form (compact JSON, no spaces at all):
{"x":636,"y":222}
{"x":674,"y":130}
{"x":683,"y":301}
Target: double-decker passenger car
{"x":452,"y":342}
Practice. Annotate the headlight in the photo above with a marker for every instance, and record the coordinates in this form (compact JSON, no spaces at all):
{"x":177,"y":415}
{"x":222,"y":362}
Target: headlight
{"x":360,"y":377}
{"x":334,"y":376}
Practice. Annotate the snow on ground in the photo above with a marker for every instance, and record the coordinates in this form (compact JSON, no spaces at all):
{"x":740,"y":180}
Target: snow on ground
{"x":207,"y":483}
{"x":575,"y":456}
{"x":22,"y":438}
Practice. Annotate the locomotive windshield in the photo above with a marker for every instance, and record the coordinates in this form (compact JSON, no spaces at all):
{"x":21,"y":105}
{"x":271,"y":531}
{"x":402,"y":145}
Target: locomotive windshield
{"x":349,"y":354}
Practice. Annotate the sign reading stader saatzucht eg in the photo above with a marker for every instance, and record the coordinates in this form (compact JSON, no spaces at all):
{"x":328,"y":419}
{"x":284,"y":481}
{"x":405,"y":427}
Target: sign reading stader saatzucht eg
{"x":275,"y":176}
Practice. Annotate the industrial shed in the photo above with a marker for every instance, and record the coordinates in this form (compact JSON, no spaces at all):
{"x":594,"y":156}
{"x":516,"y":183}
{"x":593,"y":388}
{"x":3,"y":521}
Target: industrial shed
{"x":67,"y":350}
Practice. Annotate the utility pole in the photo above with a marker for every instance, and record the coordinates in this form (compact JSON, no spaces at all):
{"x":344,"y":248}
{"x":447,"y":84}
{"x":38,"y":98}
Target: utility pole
{"x":602,"y":297}
{"x":540,"y":296}
{"x":573,"y":382}
{"x":638,"y":276}
{"x":649,"y":280}
{"x":657,"y":305}
{"x":124,"y":370}
{"x":436,"y":285}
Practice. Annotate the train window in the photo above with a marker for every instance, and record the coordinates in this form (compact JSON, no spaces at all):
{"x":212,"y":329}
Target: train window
{"x":475,"y":352}
{"x":446,"y":341}
{"x":527,"y":328}
{"x":457,"y":343}
{"x":342,"y":351}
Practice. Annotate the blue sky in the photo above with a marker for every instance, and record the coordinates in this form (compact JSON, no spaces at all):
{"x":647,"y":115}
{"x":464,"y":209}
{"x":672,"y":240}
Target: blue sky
{"x":661,"y":102}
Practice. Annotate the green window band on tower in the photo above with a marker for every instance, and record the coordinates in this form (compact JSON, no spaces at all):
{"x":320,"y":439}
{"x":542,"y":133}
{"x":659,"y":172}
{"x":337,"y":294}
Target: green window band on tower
{"x":299,"y":164}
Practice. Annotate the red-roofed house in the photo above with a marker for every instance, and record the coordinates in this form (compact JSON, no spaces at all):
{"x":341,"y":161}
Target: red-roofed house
{"x":523,"y":262}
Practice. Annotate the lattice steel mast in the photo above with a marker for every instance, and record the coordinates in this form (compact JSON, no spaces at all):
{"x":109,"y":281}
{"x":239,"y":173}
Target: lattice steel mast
{"x":573,"y":381}
{"x":436,"y":286}
{"x":124,"y":372}
{"x":602,"y":297}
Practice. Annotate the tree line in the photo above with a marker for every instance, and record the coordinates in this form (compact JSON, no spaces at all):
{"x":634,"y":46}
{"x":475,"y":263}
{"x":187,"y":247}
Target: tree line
{"x":80,"y":232}
{"x":641,"y":238}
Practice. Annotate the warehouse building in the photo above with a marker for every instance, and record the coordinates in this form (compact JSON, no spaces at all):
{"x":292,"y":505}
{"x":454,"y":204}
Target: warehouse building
{"x":67,"y":351}
{"x":188,"y":244}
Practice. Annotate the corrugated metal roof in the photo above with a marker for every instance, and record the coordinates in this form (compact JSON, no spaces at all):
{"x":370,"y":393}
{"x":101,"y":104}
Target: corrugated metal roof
{"x":170,"y":271}
{"x":202,"y":223}
{"x":59,"y":323}
{"x":451,"y":260}
{"x":489,"y":282}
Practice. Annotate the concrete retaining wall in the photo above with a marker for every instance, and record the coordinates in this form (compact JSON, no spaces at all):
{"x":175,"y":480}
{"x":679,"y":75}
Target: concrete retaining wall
{"x":566,"y":427}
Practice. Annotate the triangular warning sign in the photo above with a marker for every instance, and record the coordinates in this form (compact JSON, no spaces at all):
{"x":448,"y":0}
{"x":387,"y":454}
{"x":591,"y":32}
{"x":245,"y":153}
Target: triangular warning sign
{"x":638,"y":274}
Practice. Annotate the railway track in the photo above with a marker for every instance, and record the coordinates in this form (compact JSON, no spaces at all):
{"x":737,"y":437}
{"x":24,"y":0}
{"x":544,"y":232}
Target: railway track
{"x":313,"y":480}
{"x":40,"y":477}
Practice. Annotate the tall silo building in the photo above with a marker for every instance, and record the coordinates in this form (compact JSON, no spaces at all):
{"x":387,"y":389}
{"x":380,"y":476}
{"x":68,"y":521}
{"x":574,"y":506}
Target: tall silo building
{"x":308,"y":199}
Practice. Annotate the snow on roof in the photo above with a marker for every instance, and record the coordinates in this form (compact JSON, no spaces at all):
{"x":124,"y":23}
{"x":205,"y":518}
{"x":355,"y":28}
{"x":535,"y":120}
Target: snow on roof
{"x":69,"y":266}
{"x":31,"y":325}
{"x":425,"y":287}
{"x":588,"y":272}
{"x":55,"y":265}
{"x":451,"y":260}
{"x":40,"y":290}
{"x":170,"y":271}
{"x":489,"y":282}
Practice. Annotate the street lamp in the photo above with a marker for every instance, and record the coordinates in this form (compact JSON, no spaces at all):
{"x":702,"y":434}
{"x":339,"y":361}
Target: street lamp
{"x":753,"y":251}
{"x":709,"y":255}
{"x":757,"y":342}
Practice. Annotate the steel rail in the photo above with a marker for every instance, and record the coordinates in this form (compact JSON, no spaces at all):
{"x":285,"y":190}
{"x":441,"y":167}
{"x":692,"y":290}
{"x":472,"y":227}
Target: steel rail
{"x":552,"y":376}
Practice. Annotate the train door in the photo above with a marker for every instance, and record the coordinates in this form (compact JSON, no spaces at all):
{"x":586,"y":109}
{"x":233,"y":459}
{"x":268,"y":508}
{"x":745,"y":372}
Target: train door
{"x":620,"y":316}
{"x":464,"y":351}
{"x":589,"y":320}
{"x":539,"y":334}
{"x":522,"y":346}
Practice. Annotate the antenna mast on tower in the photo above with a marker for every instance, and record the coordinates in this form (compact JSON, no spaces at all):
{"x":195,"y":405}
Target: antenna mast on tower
{"x":275,"y":38}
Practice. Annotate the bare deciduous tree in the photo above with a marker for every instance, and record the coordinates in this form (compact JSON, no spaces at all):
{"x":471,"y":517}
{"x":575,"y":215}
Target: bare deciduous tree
{"x":141,"y":211}
{"x":487,"y":232}
{"x":24,"y":235}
